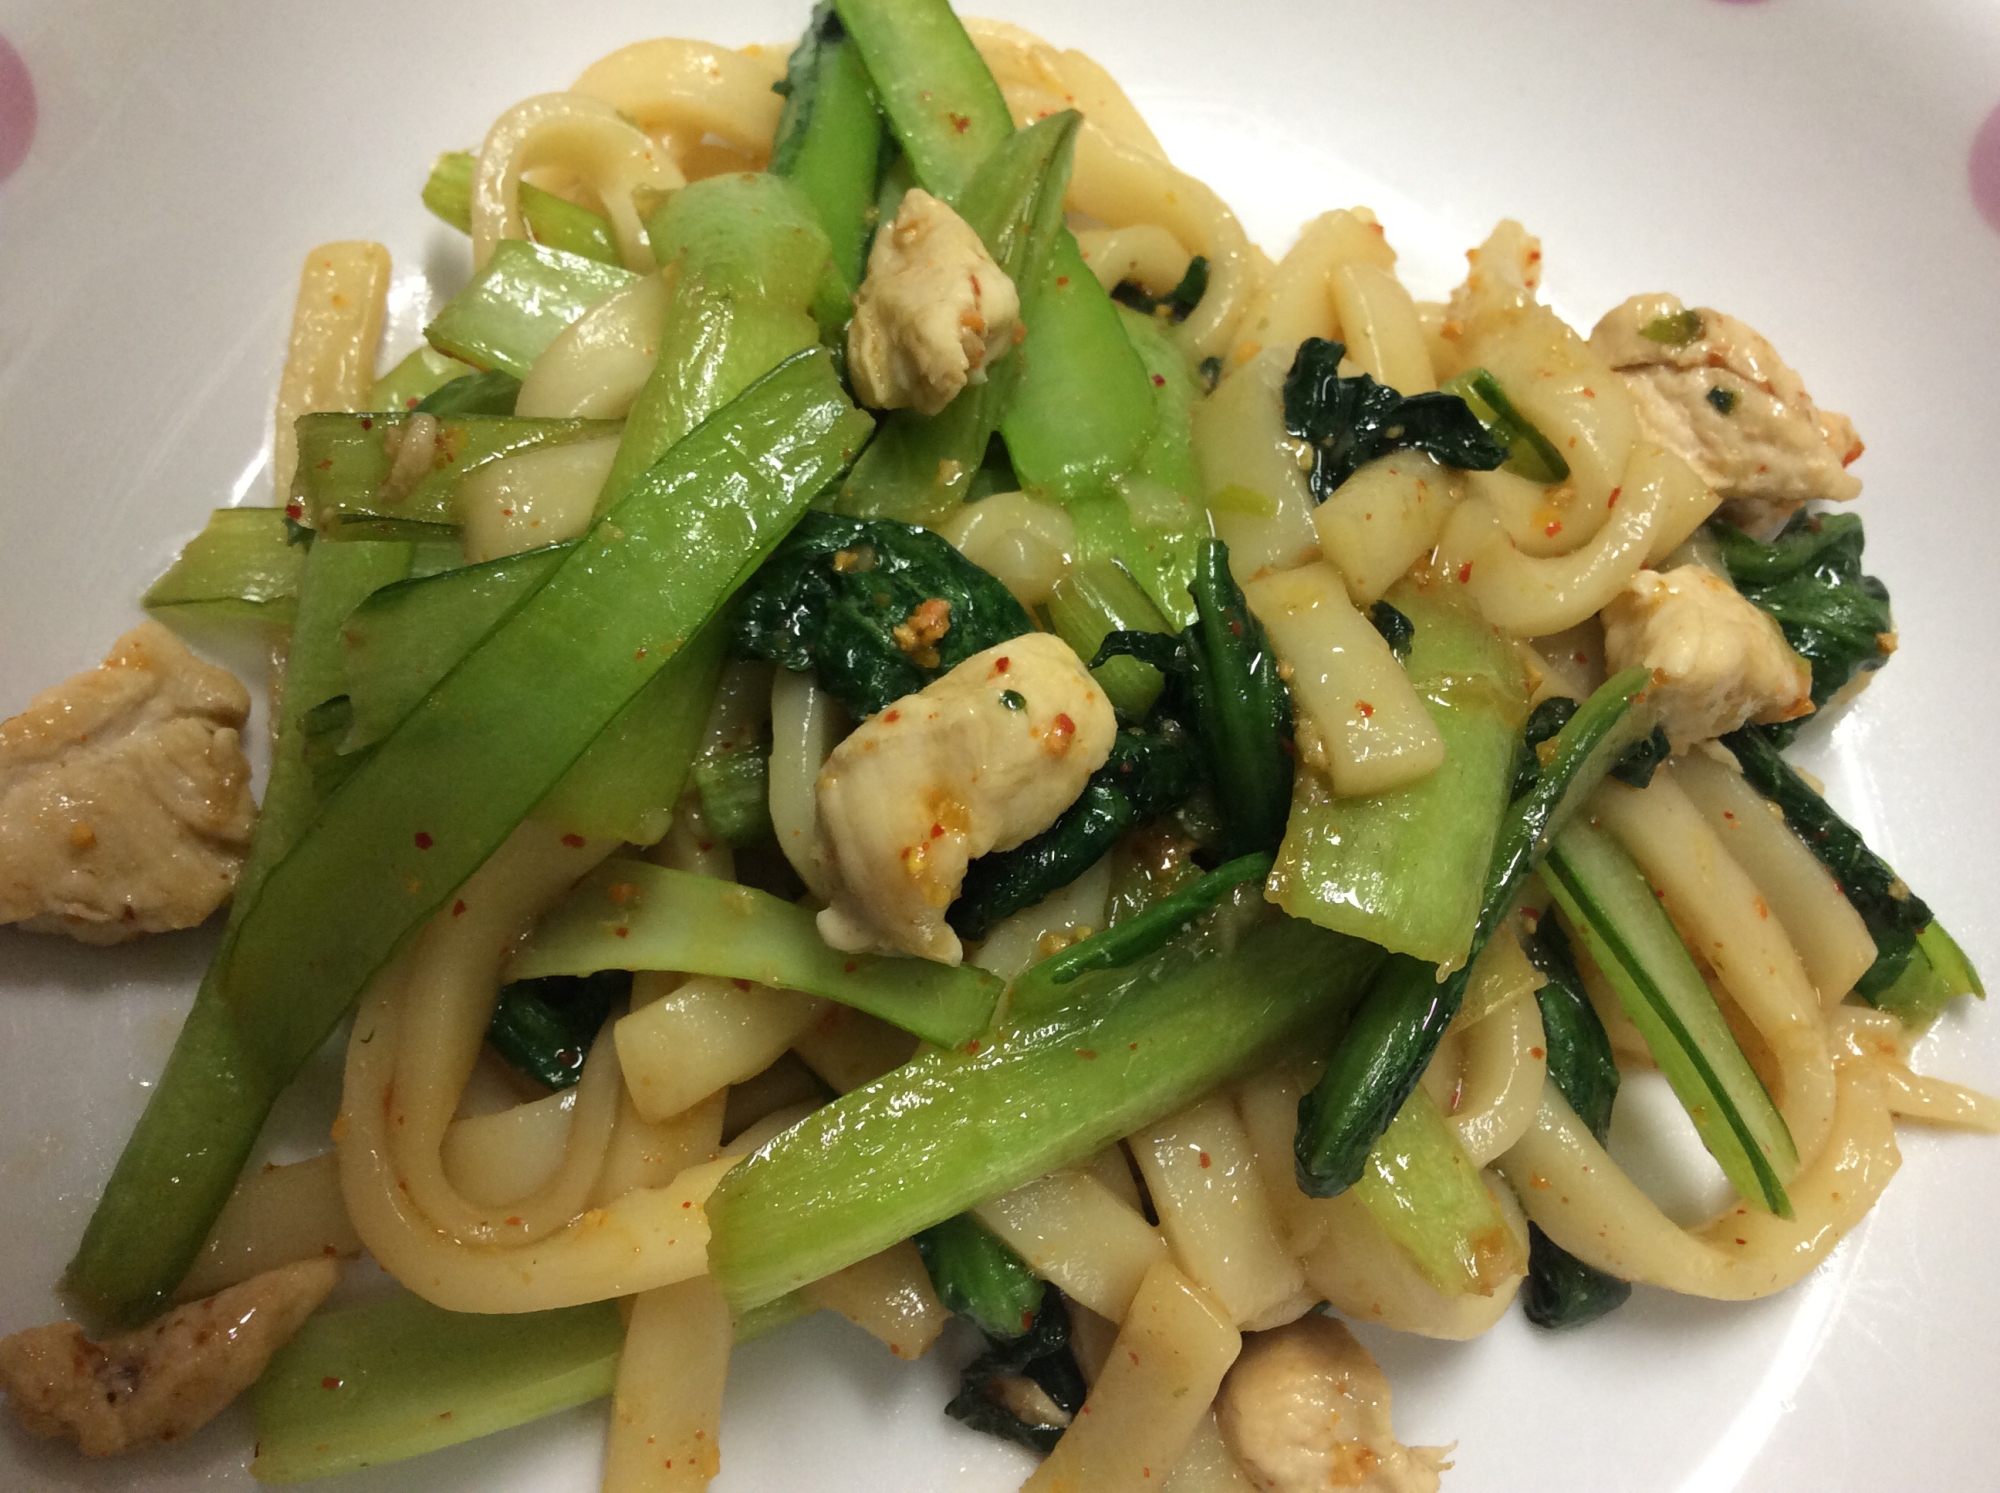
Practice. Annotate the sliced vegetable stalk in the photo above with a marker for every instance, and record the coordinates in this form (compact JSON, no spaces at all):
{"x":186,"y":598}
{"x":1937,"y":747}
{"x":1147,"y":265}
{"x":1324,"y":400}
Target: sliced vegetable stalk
{"x":1897,"y":919}
{"x":1094,"y":600}
{"x":1137,"y":936}
{"x":829,"y":138}
{"x":245,"y":563}
{"x":1629,"y":936}
{"x":631,"y":915}
{"x":745,"y":256}
{"x":1429,"y":1198}
{"x":551,"y":220}
{"x":735,"y":789}
{"x":953,"y":1127}
{"x":1161,"y":492}
{"x":344,"y":487}
{"x":946,"y":110}
{"x":436,"y":797}
{"x":923,"y":466}
{"x":1406,"y":868}
{"x":1561,"y":1290}
{"x":519,"y":303}
{"x":424,"y":370}
{"x":1403,"y":1018}
{"x":393,"y":1379}
{"x":203,"y":1117}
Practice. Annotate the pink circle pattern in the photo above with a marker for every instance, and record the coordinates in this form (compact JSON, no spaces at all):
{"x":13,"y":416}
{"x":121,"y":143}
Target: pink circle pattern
{"x":1982,"y":169}
{"x":17,"y":109}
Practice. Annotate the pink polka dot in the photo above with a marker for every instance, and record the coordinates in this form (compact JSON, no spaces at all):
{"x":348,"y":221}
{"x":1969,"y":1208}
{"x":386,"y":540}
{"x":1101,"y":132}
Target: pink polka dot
{"x":17,"y":109}
{"x":1982,"y":169}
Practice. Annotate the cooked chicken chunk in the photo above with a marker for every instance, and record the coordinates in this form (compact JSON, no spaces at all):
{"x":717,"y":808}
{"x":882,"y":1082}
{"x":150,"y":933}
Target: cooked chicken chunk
{"x":125,"y":801}
{"x":1717,"y":660}
{"x":932,"y":312}
{"x":165,"y":1381}
{"x":1305,"y":1409}
{"x":1716,"y":393}
{"x":981,"y":760}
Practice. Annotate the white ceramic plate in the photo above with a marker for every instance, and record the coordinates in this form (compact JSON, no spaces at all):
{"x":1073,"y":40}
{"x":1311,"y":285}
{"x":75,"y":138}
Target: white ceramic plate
{"x":1816,"y":169}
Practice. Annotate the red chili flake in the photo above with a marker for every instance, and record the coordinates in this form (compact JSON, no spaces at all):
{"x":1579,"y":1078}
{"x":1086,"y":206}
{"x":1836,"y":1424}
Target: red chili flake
{"x":458,"y":908}
{"x":1027,"y":1320}
{"x":640,"y":654}
{"x":367,"y":423}
{"x":892,"y":716}
{"x":329,"y":1382}
{"x":514,"y":1221}
{"x":1131,"y":1046}
{"x":850,"y":966}
{"x":575,"y":842}
{"x":295,"y":509}
{"x":972,"y":1046}
{"x":741,"y":984}
{"x":412,"y":402}
{"x":622,"y":932}
{"x":1612,"y":501}
{"x":1537,"y":1053}
{"x":1159,"y":381}
{"x":1589,"y":393}
{"x":1088,"y":1054}
{"x":1742,"y":1241}
{"x":1465,"y":573}
{"x":1207,"y":1161}
{"x":1000,"y":665}
{"x":704,"y":846}
{"x":1235,"y":629}
{"x":423,"y":840}
{"x":937,"y":831}
{"x":1555,"y":527}
{"x":960,"y":122}
{"x":1062,"y":280}
{"x":1365,"y":708}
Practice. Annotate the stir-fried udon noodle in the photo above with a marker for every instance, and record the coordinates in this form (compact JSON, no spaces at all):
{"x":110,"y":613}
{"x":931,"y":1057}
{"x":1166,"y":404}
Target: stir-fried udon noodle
{"x":891,"y":717}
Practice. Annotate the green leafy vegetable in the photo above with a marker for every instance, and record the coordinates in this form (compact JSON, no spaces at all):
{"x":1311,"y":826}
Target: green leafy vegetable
{"x":1177,"y":303}
{"x":1397,"y":630}
{"x":1403,"y":1018}
{"x":545,"y":1027}
{"x":1530,"y":454}
{"x":1809,"y":579}
{"x":1137,"y":936}
{"x":1724,"y":400}
{"x":1223,"y":680}
{"x":490,"y":393}
{"x":1041,"y":1355}
{"x":977,"y":1275}
{"x":878,"y":608}
{"x":1348,"y":422}
{"x":1561,"y":1290}
{"x":1151,"y":769}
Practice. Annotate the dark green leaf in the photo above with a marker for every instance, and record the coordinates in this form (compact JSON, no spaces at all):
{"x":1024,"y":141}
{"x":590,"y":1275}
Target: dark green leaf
{"x":837,"y":592}
{"x":1348,"y":422}
{"x":1398,"y":631}
{"x":1562,"y":1291}
{"x":490,"y":393}
{"x":545,"y":1027}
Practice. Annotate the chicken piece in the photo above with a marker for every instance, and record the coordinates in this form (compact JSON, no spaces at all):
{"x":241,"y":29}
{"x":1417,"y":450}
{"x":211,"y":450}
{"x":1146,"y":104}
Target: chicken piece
{"x":125,"y":802}
{"x":1717,"y":660}
{"x":165,"y":1381}
{"x":1715,"y":392}
{"x":932,"y":312}
{"x":980,"y":760}
{"x":1305,"y":1409}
